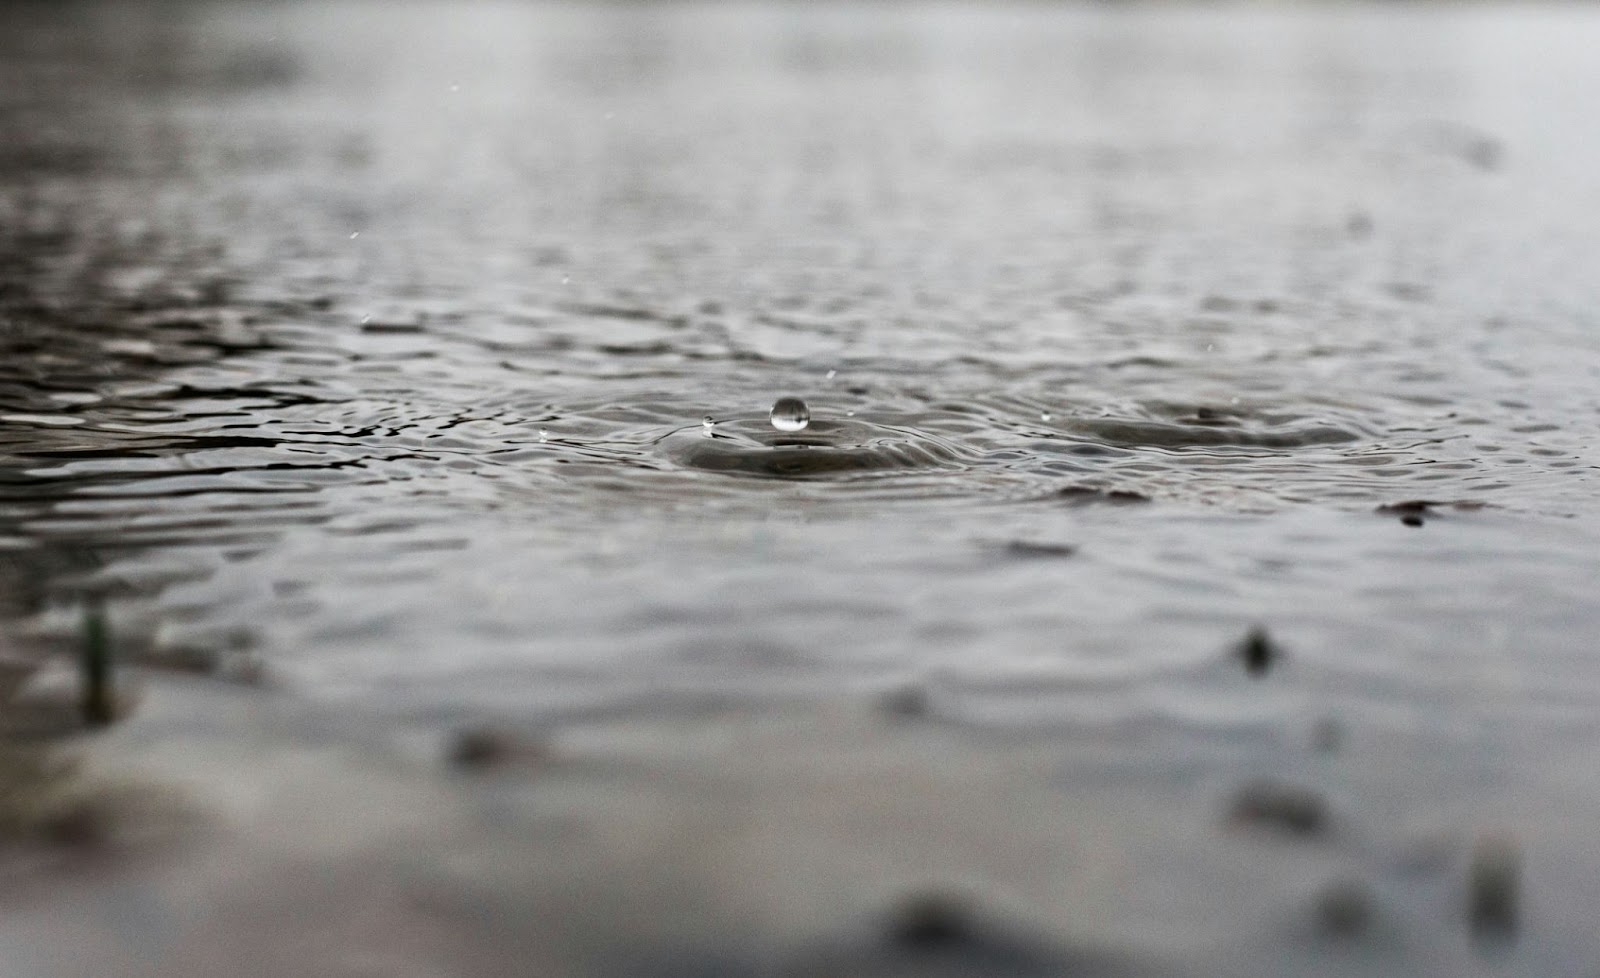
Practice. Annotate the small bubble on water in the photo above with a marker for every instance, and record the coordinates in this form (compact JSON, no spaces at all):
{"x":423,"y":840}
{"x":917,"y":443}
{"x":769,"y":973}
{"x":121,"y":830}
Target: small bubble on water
{"x":790,"y":414}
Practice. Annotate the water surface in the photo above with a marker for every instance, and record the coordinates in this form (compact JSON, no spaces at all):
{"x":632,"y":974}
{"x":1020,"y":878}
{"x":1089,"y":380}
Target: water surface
{"x":374,"y":344}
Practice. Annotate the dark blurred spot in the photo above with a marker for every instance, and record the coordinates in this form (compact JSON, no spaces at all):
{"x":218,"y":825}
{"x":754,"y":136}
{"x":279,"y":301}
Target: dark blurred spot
{"x":1279,"y":807}
{"x":1258,"y":652}
{"x":1026,"y":548}
{"x":1327,"y":736}
{"x":905,"y":703}
{"x":1344,"y":909}
{"x":481,"y":748}
{"x":1493,"y":882}
{"x":1084,"y":495}
{"x":1413,"y":512}
{"x":931,"y":919}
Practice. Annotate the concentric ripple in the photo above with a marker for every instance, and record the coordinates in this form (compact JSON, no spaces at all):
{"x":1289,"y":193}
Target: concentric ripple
{"x":825,"y":448}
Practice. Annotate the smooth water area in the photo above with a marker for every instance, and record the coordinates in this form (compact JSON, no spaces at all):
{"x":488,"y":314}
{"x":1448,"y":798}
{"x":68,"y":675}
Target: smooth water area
{"x":378,"y":346}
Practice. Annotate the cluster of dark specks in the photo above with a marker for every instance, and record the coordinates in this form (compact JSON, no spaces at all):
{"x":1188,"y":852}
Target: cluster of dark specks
{"x":1347,"y":908}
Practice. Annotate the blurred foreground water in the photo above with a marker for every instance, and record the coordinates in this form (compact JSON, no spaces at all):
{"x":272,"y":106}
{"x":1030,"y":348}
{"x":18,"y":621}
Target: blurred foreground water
{"x":369,"y":345}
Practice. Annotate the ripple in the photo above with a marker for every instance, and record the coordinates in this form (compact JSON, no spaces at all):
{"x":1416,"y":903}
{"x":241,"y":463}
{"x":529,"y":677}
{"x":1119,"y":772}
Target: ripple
{"x":827,"y":448}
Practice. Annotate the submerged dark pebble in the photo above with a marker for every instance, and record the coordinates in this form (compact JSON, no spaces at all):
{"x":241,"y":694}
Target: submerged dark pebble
{"x":1258,"y":652}
{"x":1493,"y":881}
{"x":1280,"y":807}
{"x":931,"y":919}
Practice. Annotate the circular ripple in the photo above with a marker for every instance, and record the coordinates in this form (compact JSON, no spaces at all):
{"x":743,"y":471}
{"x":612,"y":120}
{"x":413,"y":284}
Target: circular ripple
{"x":826,"y":448}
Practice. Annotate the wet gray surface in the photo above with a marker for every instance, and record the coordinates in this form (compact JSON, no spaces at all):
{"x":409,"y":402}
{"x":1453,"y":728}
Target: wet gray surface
{"x":374,"y":343}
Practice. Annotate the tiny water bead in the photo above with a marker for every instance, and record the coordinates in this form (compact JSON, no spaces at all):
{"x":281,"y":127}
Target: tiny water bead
{"x":790,"y":414}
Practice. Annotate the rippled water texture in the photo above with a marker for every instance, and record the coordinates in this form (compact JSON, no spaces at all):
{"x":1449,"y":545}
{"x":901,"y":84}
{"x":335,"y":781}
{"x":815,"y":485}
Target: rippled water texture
{"x":377,"y":346}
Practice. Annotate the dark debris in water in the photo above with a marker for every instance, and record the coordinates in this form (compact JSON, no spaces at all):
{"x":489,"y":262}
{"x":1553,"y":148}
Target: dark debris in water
{"x":1414,"y":512}
{"x":1277,"y":806}
{"x":484,"y":748}
{"x":1258,"y":652}
{"x":1082,"y":495}
{"x":1033,"y":549}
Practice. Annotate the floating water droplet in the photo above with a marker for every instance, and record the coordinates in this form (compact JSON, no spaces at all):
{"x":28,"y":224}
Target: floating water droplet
{"x":790,"y":414}
{"x":544,"y":435}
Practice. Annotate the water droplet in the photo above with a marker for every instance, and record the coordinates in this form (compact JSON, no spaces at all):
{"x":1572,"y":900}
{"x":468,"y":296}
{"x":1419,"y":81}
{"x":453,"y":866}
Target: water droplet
{"x":790,"y":414}
{"x":1045,"y":416}
{"x":544,"y":435}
